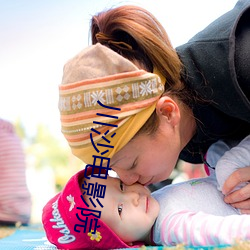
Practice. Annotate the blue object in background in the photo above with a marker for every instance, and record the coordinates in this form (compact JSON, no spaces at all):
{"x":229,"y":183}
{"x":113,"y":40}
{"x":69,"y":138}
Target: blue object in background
{"x":33,"y":238}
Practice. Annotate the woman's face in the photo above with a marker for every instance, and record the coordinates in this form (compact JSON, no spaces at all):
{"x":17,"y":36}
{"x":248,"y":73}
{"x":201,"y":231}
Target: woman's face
{"x":146,"y":159}
{"x":149,"y":159}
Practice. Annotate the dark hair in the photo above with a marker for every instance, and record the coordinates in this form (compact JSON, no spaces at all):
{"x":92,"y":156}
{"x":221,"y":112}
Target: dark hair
{"x":137,"y":35}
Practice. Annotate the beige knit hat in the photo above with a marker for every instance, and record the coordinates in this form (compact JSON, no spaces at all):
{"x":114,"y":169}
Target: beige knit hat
{"x":104,"y":100}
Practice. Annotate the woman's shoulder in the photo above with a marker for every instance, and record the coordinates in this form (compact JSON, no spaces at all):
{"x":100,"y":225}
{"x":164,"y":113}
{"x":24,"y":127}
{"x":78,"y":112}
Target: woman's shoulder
{"x":209,"y":65}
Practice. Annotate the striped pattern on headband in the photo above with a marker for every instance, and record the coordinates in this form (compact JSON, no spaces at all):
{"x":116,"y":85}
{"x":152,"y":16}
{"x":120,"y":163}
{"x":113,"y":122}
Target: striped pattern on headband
{"x":131,"y":92}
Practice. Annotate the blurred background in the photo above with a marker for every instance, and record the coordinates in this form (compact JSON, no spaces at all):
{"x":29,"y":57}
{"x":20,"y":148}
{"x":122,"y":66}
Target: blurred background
{"x":36,"y":40}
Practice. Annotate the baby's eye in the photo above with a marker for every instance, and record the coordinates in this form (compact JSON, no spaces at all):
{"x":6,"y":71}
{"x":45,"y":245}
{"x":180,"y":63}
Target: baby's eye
{"x":120,"y":206}
{"x":121,"y":186}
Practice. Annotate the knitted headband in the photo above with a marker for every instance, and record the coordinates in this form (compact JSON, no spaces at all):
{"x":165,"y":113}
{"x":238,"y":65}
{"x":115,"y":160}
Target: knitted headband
{"x":104,"y":100}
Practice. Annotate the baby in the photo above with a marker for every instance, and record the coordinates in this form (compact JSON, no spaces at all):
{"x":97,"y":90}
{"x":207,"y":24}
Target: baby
{"x":103,"y":213}
{"x":72,"y":223}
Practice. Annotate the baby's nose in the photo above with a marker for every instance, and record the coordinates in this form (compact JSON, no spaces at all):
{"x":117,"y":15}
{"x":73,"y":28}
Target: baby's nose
{"x":133,"y":197}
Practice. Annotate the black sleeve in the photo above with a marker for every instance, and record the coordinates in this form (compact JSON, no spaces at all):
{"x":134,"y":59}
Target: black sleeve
{"x":216,"y":58}
{"x":217,"y":66}
{"x":242,"y":53}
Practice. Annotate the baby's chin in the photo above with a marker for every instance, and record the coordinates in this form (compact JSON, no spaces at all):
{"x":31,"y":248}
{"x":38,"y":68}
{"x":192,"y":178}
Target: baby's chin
{"x":130,"y":240}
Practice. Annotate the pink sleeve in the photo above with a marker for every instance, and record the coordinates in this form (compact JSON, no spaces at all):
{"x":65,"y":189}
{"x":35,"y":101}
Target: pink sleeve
{"x":201,"y":229}
{"x":15,"y":200}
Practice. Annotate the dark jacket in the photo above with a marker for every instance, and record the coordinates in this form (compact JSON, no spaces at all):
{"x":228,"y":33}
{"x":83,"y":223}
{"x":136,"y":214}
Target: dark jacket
{"x":217,"y":67}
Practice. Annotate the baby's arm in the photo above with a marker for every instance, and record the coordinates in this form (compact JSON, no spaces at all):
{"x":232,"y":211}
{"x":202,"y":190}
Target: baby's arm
{"x":237,"y":157}
{"x":201,"y":229}
{"x":214,"y":153}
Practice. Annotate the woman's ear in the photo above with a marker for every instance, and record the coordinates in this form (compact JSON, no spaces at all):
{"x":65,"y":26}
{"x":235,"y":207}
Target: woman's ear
{"x":168,"y":109}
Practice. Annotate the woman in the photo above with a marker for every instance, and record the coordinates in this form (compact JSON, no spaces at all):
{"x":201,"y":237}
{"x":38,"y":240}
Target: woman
{"x":206,"y":93}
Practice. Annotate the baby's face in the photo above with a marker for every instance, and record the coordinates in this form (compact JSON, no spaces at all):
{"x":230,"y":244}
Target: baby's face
{"x":130,"y":211}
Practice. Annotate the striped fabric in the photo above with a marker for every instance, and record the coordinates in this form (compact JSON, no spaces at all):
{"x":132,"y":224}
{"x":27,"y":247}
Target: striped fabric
{"x":15,"y":200}
{"x":104,"y":101}
{"x":202,"y":229}
{"x":131,"y":92}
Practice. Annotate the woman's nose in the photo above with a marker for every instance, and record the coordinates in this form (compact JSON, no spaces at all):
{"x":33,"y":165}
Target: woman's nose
{"x":126,"y":177}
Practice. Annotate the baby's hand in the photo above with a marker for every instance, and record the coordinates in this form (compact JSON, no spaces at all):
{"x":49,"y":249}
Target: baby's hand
{"x":240,"y":198}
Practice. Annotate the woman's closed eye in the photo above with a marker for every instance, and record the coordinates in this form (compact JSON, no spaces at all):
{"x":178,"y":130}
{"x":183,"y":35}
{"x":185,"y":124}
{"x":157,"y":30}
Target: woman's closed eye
{"x":120,"y":206}
{"x":121,"y":186}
